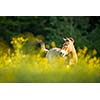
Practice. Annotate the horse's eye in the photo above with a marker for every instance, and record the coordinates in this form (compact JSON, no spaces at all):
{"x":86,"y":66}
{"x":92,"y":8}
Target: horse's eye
{"x":67,"y":40}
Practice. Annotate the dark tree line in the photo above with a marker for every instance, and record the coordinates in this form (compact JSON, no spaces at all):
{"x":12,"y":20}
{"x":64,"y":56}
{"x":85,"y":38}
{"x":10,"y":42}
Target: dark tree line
{"x":84,"y":29}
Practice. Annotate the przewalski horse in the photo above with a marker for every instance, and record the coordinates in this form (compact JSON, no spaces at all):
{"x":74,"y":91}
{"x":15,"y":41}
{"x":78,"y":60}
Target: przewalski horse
{"x":64,"y":51}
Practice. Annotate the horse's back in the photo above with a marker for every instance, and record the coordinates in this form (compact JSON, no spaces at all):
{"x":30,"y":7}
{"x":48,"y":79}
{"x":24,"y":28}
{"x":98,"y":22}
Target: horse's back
{"x":54,"y":52}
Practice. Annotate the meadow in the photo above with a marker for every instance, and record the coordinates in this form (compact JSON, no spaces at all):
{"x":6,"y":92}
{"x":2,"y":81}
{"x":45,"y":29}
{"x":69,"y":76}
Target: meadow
{"x":24,"y":65}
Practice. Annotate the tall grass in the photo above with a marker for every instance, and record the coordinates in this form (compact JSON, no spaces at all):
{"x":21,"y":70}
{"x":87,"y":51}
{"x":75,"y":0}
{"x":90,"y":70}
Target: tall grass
{"x":19,"y":66}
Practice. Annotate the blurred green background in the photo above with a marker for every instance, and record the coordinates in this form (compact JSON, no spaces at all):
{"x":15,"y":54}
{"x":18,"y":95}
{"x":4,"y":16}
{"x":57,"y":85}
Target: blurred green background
{"x":84,"y":29}
{"x":22,"y":60}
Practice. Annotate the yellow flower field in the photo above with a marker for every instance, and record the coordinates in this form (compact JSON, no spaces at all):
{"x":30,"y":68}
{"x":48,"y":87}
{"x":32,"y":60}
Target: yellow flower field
{"x":24,"y":67}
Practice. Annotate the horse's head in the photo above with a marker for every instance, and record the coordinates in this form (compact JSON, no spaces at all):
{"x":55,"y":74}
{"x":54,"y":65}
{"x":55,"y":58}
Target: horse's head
{"x":68,"y":45}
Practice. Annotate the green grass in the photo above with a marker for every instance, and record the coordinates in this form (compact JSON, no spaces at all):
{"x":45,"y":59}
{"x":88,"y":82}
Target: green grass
{"x":31,"y":67}
{"x":34,"y":68}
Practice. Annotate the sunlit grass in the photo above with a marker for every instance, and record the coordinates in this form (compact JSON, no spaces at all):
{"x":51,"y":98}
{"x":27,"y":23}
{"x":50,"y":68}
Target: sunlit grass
{"x":20,"y":67}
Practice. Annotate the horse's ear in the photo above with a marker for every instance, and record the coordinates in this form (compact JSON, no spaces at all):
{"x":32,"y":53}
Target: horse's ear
{"x":71,"y":39}
{"x":64,"y":39}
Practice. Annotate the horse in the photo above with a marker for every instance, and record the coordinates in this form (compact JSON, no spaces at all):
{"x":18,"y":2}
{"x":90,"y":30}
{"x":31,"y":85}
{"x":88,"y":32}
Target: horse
{"x":66,"y":49}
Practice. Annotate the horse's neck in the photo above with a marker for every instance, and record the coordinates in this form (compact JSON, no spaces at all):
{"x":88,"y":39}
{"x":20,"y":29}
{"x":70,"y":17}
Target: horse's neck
{"x":74,"y":54}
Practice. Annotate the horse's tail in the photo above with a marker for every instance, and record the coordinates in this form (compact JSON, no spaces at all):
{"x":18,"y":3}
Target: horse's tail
{"x":43,"y":46}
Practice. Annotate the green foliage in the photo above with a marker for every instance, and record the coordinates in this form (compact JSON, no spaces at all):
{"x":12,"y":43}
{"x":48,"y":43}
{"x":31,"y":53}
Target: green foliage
{"x":26,"y":40}
{"x":21,"y":59}
{"x":3,"y":46}
{"x":33,"y":68}
{"x":21,"y":67}
{"x":94,"y":38}
{"x":85,"y":30}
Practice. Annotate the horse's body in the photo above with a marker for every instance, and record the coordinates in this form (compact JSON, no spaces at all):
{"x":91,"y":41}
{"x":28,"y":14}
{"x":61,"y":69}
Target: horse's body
{"x":55,"y":52}
{"x":67,"y":48}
